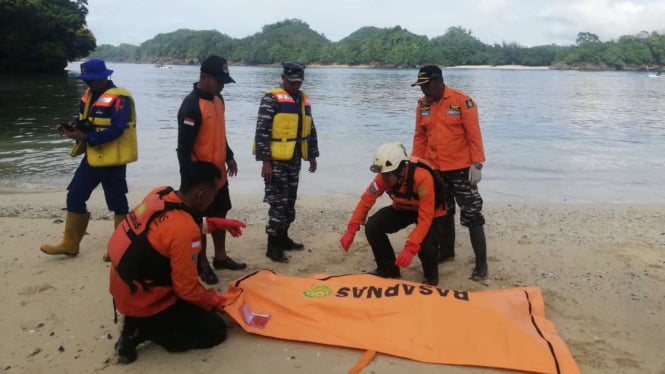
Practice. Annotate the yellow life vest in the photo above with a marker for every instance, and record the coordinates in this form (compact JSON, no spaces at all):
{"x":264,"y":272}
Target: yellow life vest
{"x":285,"y":126}
{"x":120,"y":151}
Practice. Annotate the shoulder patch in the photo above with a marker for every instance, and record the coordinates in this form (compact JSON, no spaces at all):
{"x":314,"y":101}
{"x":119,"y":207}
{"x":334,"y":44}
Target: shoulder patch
{"x":422,"y":191}
{"x":188,"y":121}
{"x":454,"y":110}
{"x":469,"y":103}
{"x":425,"y":108}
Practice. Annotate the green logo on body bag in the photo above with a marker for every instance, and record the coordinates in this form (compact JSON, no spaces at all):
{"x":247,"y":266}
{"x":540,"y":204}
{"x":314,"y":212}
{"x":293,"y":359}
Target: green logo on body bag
{"x":317,"y":292}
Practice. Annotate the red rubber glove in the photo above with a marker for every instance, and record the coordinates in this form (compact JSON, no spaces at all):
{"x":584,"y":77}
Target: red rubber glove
{"x":348,"y":236}
{"x":233,"y":226}
{"x":405,"y":257}
{"x":220,"y":300}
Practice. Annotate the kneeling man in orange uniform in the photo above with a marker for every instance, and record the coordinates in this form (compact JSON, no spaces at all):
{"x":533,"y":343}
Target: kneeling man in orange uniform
{"x":154,"y":281}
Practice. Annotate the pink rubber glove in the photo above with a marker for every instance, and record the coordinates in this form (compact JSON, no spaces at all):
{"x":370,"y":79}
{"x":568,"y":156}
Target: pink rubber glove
{"x":348,"y":236}
{"x":405,"y":257}
{"x":233,"y":226}
{"x":220,"y":300}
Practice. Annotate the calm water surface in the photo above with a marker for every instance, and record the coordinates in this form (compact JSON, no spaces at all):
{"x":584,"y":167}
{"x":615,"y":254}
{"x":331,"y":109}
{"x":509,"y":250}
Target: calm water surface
{"x":550,"y":136}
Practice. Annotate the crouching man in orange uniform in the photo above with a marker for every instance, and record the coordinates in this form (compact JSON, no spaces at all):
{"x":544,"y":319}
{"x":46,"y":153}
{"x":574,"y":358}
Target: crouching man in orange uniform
{"x":417,"y":197}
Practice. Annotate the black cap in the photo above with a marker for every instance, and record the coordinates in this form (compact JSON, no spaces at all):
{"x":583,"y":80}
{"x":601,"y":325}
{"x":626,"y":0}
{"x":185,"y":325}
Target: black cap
{"x":294,"y":71}
{"x":218,"y":68}
{"x":427,"y":73}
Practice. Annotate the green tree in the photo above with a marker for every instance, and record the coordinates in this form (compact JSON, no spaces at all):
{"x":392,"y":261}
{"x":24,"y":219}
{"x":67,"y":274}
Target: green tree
{"x":121,"y":53}
{"x":185,"y":44}
{"x":43,"y":35}
{"x":586,"y":37}
{"x":507,"y":54}
{"x":656,"y":44}
{"x":540,"y":55}
{"x":458,"y":47}
{"x":291,"y":39}
{"x":635,"y":52}
{"x":629,"y":52}
{"x":393,"y":46}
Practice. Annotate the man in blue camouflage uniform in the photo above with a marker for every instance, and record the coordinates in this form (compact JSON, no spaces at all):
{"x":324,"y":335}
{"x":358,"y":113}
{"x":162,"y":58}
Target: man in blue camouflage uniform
{"x":285,"y":133}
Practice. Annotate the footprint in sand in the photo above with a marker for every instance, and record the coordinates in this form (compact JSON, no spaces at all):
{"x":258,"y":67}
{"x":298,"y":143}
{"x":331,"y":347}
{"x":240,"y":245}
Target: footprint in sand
{"x":35,"y":289}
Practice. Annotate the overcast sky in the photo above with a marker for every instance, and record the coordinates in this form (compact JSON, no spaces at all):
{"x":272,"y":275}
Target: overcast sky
{"x":527,"y":22}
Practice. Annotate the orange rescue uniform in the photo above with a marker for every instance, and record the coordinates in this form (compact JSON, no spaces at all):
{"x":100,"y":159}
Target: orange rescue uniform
{"x":422,"y":201}
{"x":174,"y":235}
{"x":448,"y":133}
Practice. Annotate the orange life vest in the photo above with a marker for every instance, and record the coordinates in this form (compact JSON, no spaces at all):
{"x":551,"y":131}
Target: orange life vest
{"x":210,"y":143}
{"x":135,"y":262}
{"x":404,"y":196}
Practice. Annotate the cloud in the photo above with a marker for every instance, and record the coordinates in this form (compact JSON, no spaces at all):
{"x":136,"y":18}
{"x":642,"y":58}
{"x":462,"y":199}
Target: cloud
{"x":607,"y":19}
{"x":529,"y":23}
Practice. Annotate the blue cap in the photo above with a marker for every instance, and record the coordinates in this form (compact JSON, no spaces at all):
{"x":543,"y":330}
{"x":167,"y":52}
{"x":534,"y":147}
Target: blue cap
{"x":94,"y":69}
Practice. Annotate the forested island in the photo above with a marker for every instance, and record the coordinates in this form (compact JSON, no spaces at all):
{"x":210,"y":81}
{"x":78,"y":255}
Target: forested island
{"x":389,"y":47}
{"x":58,"y":34}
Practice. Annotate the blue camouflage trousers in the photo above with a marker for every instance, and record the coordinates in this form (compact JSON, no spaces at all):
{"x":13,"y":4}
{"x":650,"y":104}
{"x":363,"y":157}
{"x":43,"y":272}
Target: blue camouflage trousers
{"x":281,"y":193}
{"x":459,"y":189}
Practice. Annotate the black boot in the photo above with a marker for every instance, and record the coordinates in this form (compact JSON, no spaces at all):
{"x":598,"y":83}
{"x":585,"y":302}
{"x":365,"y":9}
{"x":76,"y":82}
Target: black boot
{"x":130,"y":338}
{"x":125,"y":350}
{"x":275,"y":249}
{"x":386,"y":271}
{"x":431,"y":273}
{"x":290,"y":245}
{"x":447,"y":238}
{"x":477,"y":234}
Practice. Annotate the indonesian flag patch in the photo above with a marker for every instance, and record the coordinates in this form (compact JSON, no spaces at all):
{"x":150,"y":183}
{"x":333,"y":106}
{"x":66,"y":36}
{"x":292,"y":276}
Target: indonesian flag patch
{"x":196,"y":242}
{"x":373,"y":188}
{"x":188,"y":121}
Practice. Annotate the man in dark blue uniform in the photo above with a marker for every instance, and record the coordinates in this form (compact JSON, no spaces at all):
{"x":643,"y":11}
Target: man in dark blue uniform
{"x":105,"y":131}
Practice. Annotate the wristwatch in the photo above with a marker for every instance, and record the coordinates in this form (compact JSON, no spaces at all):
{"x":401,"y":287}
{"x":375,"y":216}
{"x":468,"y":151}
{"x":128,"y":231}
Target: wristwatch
{"x":478,"y":165}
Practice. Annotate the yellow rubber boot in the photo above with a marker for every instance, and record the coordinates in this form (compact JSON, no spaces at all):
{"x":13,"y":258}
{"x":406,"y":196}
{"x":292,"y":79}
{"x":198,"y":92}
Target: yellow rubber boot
{"x":75,"y":226}
{"x":117,"y":219}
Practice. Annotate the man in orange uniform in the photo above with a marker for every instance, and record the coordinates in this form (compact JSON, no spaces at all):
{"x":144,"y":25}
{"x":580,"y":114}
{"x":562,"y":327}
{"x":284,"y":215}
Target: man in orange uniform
{"x":154,"y":279}
{"x":448,"y":135}
{"x":411,"y":186}
{"x":202,"y":137}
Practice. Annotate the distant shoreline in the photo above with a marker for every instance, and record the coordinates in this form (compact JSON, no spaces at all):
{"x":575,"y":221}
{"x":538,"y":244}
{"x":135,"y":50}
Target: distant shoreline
{"x":557,"y":66}
{"x":478,"y":67}
{"x":499,"y":67}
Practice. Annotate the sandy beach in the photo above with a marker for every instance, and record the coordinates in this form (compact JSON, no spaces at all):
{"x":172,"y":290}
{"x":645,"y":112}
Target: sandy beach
{"x":499,"y":67}
{"x":601,"y":269}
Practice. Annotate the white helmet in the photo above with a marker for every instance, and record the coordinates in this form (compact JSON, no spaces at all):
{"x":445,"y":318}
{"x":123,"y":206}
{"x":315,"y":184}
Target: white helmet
{"x":388,"y":157}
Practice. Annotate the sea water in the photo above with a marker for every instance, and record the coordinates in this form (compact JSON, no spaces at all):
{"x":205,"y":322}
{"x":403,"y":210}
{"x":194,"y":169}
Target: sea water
{"x":549,"y":136}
